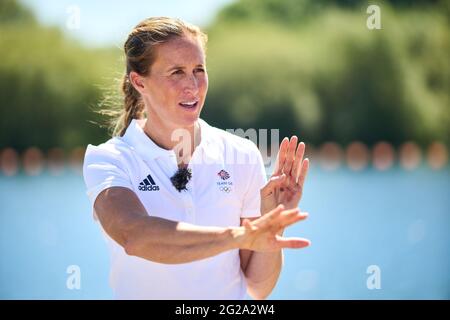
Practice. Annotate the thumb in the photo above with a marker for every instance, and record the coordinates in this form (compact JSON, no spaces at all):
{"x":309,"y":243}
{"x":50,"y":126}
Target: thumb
{"x":274,"y":182}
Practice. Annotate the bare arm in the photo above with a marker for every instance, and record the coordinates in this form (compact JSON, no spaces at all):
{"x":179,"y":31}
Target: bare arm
{"x":262,"y":280}
{"x":262,"y":269}
{"x":125,"y":219}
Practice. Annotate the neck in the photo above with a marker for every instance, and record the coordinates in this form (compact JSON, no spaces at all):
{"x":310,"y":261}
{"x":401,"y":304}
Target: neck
{"x":183,"y":140}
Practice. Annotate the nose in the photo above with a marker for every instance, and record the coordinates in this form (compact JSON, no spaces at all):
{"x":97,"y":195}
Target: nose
{"x":191,"y":85}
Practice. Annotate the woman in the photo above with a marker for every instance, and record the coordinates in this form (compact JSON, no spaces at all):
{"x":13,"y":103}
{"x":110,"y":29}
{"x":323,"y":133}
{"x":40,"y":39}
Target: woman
{"x":182,"y":219}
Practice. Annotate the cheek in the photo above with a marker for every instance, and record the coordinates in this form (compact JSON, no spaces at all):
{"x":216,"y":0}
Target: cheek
{"x":203,"y":84}
{"x":167,"y":90}
{"x":174,"y":88}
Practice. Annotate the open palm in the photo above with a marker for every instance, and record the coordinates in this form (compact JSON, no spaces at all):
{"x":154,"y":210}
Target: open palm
{"x":285,"y":186}
{"x":263,"y":233}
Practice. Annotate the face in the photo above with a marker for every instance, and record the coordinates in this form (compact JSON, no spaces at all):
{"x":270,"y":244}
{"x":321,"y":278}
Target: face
{"x":174,"y":92}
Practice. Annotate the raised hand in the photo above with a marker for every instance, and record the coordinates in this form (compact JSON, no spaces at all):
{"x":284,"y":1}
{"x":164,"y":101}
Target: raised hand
{"x":285,"y":186}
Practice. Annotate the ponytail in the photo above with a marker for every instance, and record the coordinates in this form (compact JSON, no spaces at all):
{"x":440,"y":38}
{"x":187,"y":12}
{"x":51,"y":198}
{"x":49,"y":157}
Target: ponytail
{"x":133,"y":107}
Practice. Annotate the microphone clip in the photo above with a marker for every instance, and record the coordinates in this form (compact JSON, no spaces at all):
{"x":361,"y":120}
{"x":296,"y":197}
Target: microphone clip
{"x":181,"y":178}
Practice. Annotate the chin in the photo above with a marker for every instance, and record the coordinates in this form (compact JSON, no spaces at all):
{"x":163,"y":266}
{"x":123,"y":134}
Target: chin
{"x":188,"y":119}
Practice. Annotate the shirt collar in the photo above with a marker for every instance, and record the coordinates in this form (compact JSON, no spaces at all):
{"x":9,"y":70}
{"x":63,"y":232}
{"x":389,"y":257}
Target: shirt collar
{"x":138,"y":140}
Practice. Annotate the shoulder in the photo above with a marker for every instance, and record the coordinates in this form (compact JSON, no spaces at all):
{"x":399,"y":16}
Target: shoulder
{"x":233,"y":141}
{"x":115,"y":151}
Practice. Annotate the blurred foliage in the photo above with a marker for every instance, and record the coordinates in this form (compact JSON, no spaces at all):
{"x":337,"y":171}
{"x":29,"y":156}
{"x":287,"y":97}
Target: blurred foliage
{"x":332,"y":78}
{"x":308,"y":67}
{"x":300,"y":11}
{"x":48,"y":84}
{"x":13,"y":13}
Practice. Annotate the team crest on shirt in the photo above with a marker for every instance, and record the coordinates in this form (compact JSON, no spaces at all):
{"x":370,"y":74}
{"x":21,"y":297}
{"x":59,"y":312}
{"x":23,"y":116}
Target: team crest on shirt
{"x":223,"y":185}
{"x":223,"y":175}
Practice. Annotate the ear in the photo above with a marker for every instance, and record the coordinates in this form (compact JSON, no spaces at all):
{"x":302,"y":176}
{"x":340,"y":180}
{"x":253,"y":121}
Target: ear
{"x":137,"y":81}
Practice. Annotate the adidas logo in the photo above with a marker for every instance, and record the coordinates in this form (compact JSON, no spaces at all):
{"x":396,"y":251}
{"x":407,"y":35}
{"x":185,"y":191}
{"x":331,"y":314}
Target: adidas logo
{"x":148,"y":184}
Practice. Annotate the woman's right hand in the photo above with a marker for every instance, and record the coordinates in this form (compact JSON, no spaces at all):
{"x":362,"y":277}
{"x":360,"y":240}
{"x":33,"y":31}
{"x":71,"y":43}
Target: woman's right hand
{"x":261,"y":234}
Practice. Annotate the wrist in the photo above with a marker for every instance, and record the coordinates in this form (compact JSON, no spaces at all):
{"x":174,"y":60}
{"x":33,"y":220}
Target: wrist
{"x":237,"y":236}
{"x":266,"y":208}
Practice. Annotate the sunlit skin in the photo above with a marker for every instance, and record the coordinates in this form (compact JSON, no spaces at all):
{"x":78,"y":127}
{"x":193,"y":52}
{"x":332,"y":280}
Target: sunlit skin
{"x":177,"y":75}
{"x":285,"y":187}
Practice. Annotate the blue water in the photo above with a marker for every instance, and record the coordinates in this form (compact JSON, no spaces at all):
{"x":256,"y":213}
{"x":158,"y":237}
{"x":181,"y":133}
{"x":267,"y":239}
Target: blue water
{"x":397,"y":220}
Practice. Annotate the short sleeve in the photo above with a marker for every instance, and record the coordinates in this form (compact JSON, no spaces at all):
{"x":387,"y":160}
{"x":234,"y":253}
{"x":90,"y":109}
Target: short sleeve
{"x":103,"y":168}
{"x":257,"y":179}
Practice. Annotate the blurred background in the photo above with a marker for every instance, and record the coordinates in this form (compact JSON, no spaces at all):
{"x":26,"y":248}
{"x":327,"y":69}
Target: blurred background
{"x":371,"y":104}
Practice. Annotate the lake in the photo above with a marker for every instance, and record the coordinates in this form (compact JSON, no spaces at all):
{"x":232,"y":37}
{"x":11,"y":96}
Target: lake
{"x":396,"y":221}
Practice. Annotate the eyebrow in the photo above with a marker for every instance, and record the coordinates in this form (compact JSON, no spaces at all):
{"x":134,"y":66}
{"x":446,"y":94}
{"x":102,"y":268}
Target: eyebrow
{"x":182,"y":67}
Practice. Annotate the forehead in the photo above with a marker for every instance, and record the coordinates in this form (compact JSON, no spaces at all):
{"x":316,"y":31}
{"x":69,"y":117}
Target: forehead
{"x":180,"y":51}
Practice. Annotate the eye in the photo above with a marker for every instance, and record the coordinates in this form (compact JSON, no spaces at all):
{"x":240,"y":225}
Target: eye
{"x":199,"y":70}
{"x":178,"y":71}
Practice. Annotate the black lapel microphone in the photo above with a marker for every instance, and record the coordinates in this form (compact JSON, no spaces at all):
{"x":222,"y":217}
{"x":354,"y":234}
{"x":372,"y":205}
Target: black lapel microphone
{"x":181,"y":178}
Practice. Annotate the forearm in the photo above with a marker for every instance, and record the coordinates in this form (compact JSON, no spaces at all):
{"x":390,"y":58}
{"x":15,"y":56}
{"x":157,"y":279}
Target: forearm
{"x":165,"y":241}
{"x":262,"y":269}
{"x":262,"y":272}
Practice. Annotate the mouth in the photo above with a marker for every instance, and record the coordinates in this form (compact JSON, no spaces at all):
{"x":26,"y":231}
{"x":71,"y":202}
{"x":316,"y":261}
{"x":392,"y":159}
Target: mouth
{"x":190,"y":105}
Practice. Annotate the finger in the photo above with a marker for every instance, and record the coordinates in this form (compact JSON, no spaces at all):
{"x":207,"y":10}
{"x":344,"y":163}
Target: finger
{"x":285,"y":217}
{"x":268,"y":219}
{"x":275,"y":212}
{"x":290,"y":155}
{"x":273,"y":183}
{"x":290,"y":212}
{"x":292,"y":242}
{"x":298,"y":159}
{"x":291,"y":184}
{"x":303,"y":173}
{"x":293,"y":218}
{"x":281,"y":157}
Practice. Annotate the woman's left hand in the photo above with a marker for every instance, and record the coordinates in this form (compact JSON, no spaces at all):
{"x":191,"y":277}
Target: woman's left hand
{"x":285,"y":186}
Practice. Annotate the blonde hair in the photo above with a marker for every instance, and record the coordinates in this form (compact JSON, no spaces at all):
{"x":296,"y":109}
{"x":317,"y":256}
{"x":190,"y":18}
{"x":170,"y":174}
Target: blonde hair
{"x":139,"y":49}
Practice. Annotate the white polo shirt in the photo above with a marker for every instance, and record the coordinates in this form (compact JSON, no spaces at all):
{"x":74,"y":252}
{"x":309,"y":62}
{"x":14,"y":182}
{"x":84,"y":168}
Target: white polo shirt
{"x":227,"y":175}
